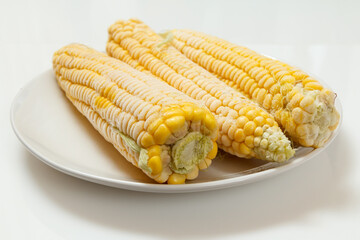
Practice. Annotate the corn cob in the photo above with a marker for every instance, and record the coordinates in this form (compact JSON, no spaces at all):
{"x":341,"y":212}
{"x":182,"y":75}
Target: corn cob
{"x":300,"y":104}
{"x":246,"y":130}
{"x":166,"y":134}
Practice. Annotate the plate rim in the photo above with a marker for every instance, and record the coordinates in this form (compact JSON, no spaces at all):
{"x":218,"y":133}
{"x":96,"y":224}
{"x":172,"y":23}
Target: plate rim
{"x":156,"y":187}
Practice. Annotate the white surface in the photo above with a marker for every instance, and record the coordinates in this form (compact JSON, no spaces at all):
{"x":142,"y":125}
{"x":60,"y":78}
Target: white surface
{"x":318,"y":200}
{"x":40,"y":111}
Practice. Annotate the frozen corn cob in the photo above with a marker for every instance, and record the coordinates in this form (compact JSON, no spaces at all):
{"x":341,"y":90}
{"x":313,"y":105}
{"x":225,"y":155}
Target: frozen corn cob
{"x":165,"y":133}
{"x":300,"y":104}
{"x":246,"y":130}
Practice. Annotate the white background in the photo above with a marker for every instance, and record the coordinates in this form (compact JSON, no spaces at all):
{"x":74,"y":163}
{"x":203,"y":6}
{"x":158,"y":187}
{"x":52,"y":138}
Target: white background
{"x":318,"y":200}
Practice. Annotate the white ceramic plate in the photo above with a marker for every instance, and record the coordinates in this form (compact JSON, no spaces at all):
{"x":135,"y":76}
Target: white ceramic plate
{"x":56,"y":133}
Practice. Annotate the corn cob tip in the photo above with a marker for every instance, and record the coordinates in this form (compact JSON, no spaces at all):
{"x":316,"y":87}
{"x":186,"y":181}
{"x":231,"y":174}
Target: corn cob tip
{"x":315,"y":116}
{"x":273,"y":145}
{"x":186,"y":134}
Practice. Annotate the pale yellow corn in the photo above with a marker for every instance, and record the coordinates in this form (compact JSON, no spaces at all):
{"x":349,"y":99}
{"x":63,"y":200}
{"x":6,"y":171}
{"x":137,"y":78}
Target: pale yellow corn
{"x":243,"y":124}
{"x":300,"y":104}
{"x":137,"y":113}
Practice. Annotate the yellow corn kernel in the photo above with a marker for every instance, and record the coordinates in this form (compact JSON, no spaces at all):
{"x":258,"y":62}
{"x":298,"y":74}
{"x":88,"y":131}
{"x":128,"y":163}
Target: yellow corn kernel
{"x":275,"y":89}
{"x":284,"y":118}
{"x":299,"y":75}
{"x":280,"y":74}
{"x":306,"y":101}
{"x":189,"y":112}
{"x":296,"y":99}
{"x":225,"y":140}
{"x":270,"y":121}
{"x":313,"y":86}
{"x":261,"y":95}
{"x":254,"y":93}
{"x":193,"y":173}
{"x":174,"y":123}
{"x":176,"y":178}
{"x":263,"y":80}
{"x":248,"y":85}
{"x":235,"y":146}
{"x":212,"y":154}
{"x":249,"y":128}
{"x":204,"y":164}
{"x":252,"y":89}
{"x":106,"y":90}
{"x":287,"y":79}
{"x":244,"y":149}
{"x":267,"y":101}
{"x":155,"y":164}
{"x":277,"y":101}
{"x":245,"y":109}
{"x":147,"y":140}
{"x":259,"y":120}
{"x":210,"y":121}
{"x":292,"y":93}
{"x":106,"y":104}
{"x":249,"y":141}
{"x":298,"y":115}
{"x":239,"y":135}
{"x":101,"y":102}
{"x":241,"y":121}
{"x":154,"y":151}
{"x":161,"y":134}
{"x":284,"y":89}
{"x":257,"y":141}
{"x":308,"y":104}
{"x":269,"y":82}
{"x":308,"y":80}
{"x":258,"y":131}
{"x":154,"y":125}
{"x":231,"y":131}
{"x":252,"y":114}
{"x":173,"y":112}
{"x":291,"y":126}
{"x":199,"y":114}
{"x":97,"y":101}
{"x":111,"y":93}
